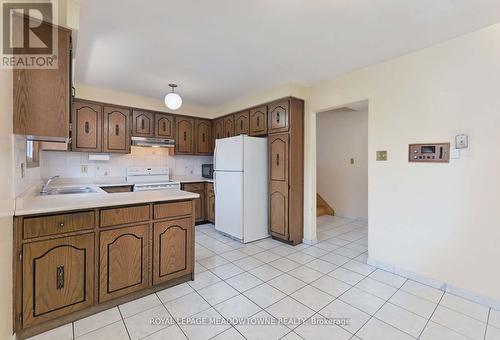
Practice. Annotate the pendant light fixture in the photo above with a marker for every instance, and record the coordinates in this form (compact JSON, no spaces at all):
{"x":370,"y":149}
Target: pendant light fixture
{"x":172,"y":99}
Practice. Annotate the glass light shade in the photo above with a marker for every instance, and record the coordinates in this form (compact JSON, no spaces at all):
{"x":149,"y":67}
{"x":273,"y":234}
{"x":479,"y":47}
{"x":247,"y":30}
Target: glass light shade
{"x":173,"y":101}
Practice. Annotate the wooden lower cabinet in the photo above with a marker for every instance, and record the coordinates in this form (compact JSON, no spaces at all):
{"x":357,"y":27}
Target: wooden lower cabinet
{"x":58,"y":277}
{"x":278,"y":209}
{"x":173,"y":249}
{"x":64,"y":273}
{"x":124,"y":261}
{"x":200,"y":202}
{"x":210,"y":203}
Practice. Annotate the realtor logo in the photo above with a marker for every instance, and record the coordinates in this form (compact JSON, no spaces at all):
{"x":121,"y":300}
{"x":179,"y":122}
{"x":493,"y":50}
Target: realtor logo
{"x":28,"y":40}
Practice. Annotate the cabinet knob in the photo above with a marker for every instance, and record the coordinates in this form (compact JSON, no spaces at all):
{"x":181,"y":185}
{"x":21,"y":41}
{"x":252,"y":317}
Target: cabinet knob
{"x":278,"y":160}
{"x":117,"y":130}
{"x":278,"y":118}
{"x":87,"y":127}
{"x":61,"y":225}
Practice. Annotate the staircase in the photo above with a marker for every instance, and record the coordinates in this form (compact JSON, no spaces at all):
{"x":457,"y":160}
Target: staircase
{"x":322,"y":207}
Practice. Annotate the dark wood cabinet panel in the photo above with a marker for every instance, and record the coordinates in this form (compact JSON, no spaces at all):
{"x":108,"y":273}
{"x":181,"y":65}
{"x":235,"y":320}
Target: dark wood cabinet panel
{"x":172,"y":249}
{"x":166,"y":210}
{"x":278,"y":209}
{"x":184,"y":135}
{"x":41,"y":97}
{"x":229,"y":126}
{"x":258,"y":121}
{"x":241,"y":123}
{"x":219,"y":128}
{"x":164,"y":126}
{"x":124,"y":261}
{"x":87,"y":127}
{"x":117,"y":216}
{"x":278,"y":115}
{"x":143,"y":123}
{"x":203,"y":137}
{"x":116,"y":130}
{"x":58,"y":277}
{"x":200,"y":202}
{"x":210,"y":203}
{"x":278,"y":157}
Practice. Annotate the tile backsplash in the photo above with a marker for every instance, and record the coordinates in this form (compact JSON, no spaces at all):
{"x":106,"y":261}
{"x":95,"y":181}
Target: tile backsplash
{"x":77,"y":164}
{"x":23,"y":177}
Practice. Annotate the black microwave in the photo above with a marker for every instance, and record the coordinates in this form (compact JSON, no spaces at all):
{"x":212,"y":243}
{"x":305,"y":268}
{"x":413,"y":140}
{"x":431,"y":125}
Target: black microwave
{"x":207,"y":170}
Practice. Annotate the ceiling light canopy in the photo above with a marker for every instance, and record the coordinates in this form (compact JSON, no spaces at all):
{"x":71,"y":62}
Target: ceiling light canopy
{"x":172,"y":99}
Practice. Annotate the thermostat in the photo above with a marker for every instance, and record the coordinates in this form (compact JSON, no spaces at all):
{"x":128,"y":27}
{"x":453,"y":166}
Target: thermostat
{"x":429,"y":153}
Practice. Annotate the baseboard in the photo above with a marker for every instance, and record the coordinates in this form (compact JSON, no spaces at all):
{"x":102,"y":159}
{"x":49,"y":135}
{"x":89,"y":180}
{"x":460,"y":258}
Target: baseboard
{"x":310,"y":241}
{"x":446,"y":287}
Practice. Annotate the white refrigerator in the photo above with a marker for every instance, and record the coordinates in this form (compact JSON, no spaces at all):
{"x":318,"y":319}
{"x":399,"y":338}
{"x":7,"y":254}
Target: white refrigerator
{"x":241,"y":187}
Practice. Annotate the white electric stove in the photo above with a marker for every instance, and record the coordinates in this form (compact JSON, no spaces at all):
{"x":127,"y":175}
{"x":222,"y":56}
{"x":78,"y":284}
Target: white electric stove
{"x":151,"y":178}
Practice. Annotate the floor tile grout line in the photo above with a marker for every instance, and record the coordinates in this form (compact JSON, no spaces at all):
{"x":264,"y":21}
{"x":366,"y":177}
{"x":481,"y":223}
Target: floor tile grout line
{"x":487,"y":324}
{"x":430,"y":317}
{"x":123,"y":321}
{"x":169,"y":313}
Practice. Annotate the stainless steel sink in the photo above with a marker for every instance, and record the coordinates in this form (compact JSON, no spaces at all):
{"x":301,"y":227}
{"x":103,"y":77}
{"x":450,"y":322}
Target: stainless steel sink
{"x":69,"y":190}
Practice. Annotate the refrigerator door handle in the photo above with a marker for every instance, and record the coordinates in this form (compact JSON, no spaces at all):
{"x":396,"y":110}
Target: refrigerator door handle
{"x":215,"y":183}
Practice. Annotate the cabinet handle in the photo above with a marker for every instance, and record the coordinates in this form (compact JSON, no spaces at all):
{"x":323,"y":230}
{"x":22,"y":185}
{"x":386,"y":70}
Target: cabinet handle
{"x":87,"y":127}
{"x":203,"y":137}
{"x":142,"y":124}
{"x":185,"y":135}
{"x":278,"y":159}
{"x":278,"y":118}
{"x":241,"y":125}
{"x":60,"y":277}
{"x":117,"y":130}
{"x":61,"y":225}
{"x":258,"y":120}
{"x":164,"y":126}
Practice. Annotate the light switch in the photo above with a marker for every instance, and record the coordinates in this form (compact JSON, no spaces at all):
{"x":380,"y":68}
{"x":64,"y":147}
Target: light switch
{"x":382,"y":155}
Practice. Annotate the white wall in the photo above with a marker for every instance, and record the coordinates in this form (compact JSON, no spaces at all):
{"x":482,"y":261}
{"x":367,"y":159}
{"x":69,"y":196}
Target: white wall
{"x":342,"y":135}
{"x":437,"y":220}
{"x":32,"y":176}
{"x":6,"y":203}
{"x":68,"y":164}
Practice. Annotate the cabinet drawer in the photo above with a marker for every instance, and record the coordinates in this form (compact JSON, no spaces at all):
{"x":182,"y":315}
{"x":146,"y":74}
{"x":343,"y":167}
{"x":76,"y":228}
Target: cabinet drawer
{"x":165,"y":210}
{"x":193,"y":186}
{"x":57,"y":224}
{"x":126,"y":215}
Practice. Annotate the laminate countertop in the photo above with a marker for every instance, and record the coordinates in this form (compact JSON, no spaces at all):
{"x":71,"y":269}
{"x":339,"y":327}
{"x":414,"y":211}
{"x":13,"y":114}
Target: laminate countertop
{"x":31,"y":202}
{"x":192,"y":179}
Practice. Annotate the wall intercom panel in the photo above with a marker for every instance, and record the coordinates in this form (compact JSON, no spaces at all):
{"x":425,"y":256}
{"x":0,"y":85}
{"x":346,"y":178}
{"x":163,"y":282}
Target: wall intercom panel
{"x":429,"y":153}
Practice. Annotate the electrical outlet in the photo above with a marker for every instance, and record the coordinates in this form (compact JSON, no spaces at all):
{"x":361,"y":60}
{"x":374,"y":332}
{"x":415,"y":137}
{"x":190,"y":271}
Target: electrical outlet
{"x":382,"y":155}
{"x":84,"y":168}
{"x":461,"y":142}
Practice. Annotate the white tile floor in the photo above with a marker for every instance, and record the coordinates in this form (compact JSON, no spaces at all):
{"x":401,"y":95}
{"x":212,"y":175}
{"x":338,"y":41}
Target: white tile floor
{"x":267,"y":280}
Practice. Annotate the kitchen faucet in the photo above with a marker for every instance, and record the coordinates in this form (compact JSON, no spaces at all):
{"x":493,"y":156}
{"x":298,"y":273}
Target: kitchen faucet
{"x":45,"y":187}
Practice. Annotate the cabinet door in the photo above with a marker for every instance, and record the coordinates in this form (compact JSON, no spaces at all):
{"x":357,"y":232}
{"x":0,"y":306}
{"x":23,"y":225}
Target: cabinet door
{"x":58,"y":277}
{"x":123,"y":261}
{"x":87,"y":127}
{"x":241,"y":123}
{"x":41,"y":97}
{"x":164,"y":126}
{"x":203,"y":140}
{"x":219,"y":128}
{"x":143,"y":124}
{"x":199,"y":206}
{"x":278,"y":115}
{"x":172,"y":249}
{"x":184,"y":135}
{"x":278,"y":209}
{"x":210,"y":203}
{"x":116,"y":131}
{"x":258,"y":121}
{"x":278,"y":157}
{"x":228,"y":126}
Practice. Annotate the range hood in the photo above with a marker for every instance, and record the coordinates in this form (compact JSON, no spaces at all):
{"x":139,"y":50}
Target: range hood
{"x":153,"y":142}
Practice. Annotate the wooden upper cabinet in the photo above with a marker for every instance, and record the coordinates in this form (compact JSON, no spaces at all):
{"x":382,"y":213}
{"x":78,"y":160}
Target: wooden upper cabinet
{"x":229,"y":126}
{"x":203,"y":137}
{"x":143,"y":123}
{"x":219,"y":128}
{"x":258,"y":121}
{"x":278,"y":157}
{"x":164,"y":126}
{"x":41,"y":97}
{"x":184,"y":135}
{"x":116,"y":130}
{"x":58,"y":277}
{"x":172,"y":249}
{"x":87,"y":127}
{"x":241,"y":123}
{"x":278,"y":116}
{"x":124,"y":261}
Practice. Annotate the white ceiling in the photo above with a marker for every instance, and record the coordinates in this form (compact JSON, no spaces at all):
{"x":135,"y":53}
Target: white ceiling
{"x":219,"y":50}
